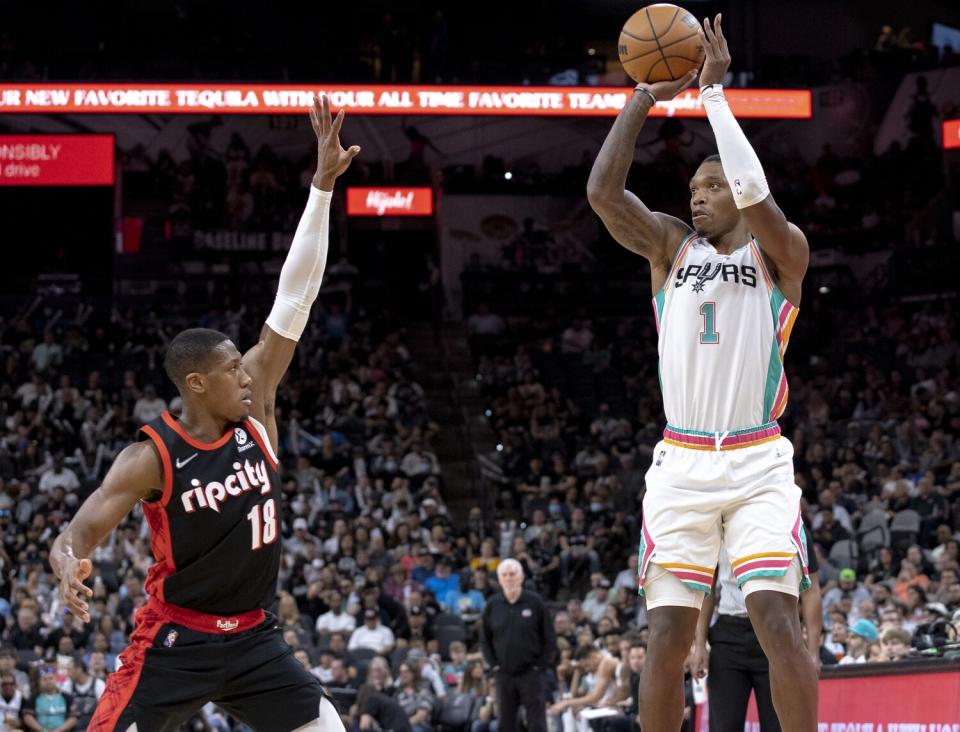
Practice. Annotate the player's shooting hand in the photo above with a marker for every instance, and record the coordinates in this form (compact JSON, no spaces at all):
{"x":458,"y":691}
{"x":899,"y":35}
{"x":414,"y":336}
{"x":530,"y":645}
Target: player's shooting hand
{"x":332,"y":159}
{"x":73,"y":592}
{"x":718,"y":55}
{"x":667,"y":90}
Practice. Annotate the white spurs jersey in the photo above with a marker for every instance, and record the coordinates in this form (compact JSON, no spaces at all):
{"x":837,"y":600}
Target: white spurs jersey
{"x":723,"y":329}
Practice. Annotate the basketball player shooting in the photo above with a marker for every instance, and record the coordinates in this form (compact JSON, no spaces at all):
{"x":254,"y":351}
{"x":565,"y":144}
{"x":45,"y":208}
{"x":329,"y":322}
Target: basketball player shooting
{"x":209,"y":488}
{"x":726,"y":296}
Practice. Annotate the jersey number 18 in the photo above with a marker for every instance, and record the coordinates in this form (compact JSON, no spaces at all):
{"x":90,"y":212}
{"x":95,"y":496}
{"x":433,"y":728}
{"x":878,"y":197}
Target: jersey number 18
{"x":265,"y":528}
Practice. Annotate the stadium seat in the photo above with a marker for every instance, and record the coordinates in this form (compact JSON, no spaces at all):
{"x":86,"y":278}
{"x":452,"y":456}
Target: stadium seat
{"x":398,"y":656}
{"x":361,"y":654}
{"x":447,"y":619}
{"x":345,"y":697}
{"x":447,"y":634}
{"x":874,"y":531}
{"x":845,"y":553}
{"x":454,"y":712}
{"x":904,"y":528}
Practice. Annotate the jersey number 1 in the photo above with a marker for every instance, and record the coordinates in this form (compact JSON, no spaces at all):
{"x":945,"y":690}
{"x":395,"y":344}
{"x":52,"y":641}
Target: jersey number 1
{"x":709,"y":335}
{"x":264,"y":529}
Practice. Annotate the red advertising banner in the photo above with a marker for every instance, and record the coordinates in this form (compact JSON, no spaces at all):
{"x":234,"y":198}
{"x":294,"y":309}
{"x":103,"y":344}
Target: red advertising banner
{"x":908,"y":702}
{"x":56,"y":160}
{"x":951,"y":134}
{"x":560,"y":101}
{"x":389,"y":201}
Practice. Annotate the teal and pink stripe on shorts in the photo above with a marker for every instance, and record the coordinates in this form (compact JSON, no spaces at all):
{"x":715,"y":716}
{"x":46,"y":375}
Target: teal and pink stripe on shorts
{"x":646,"y":551}
{"x":775,"y":564}
{"x":732,"y":440}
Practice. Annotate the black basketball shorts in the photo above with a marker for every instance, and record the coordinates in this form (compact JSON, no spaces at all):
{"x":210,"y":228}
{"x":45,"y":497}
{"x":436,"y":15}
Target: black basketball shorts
{"x":169,"y":671}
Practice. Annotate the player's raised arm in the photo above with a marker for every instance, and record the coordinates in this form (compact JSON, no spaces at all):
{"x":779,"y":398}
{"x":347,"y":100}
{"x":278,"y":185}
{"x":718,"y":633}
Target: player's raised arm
{"x":781,"y":241}
{"x":134,"y":475}
{"x":627,"y":219}
{"x":302,"y":271}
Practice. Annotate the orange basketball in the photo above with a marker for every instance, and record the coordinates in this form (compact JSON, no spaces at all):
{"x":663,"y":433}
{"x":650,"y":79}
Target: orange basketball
{"x":660,"y":43}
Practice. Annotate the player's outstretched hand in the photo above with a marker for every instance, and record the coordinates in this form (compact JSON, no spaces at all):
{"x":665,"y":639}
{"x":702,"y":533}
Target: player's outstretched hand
{"x":73,"y":592}
{"x":667,"y":90}
{"x":332,"y":159}
{"x":718,"y":55}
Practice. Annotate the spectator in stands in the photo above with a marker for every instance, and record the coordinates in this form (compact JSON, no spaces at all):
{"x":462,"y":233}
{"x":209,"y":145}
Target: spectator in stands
{"x":380,"y":711}
{"x":862,"y":634}
{"x":8,"y":667}
{"x":49,"y":709}
{"x":896,"y":644}
{"x":58,"y":476}
{"x":416,"y":701}
{"x":84,"y":691}
{"x":336,"y":618}
{"x":596,"y":607}
{"x":149,"y":406}
{"x":849,"y":587}
{"x":11,"y":703}
{"x":372,"y":634}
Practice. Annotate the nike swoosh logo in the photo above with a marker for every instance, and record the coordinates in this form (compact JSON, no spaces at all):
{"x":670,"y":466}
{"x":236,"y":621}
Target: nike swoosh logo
{"x":181,"y":463}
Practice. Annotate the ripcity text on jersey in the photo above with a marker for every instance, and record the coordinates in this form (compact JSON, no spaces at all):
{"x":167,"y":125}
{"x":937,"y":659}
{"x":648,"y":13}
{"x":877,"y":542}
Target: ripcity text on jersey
{"x":723,"y":328}
{"x":215,"y":531}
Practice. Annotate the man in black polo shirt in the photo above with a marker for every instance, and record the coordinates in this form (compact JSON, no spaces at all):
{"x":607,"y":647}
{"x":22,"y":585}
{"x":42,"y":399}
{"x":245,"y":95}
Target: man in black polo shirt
{"x":519,"y":643}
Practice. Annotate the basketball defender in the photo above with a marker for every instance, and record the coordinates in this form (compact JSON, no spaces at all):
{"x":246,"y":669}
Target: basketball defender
{"x":209,"y":488}
{"x":726,"y":297}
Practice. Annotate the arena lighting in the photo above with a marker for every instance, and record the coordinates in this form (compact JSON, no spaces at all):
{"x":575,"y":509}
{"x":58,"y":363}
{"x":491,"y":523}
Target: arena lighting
{"x":56,"y":160}
{"x":557,"y":101}
{"x":951,"y":134}
{"x":508,"y":175}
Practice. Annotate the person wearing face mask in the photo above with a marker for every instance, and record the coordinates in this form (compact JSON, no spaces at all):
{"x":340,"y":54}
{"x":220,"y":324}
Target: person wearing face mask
{"x":555,"y":513}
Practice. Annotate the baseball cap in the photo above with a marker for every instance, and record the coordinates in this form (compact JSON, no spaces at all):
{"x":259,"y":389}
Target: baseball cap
{"x":939,"y":608}
{"x":604,"y":583}
{"x":865,"y":629}
{"x":300,"y":523}
{"x":848,"y":574}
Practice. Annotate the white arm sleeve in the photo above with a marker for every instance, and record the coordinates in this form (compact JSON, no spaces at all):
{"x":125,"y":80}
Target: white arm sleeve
{"x":741,"y":166}
{"x":303,"y":268}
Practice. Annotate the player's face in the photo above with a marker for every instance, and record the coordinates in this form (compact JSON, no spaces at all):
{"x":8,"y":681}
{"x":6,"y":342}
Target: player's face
{"x":711,"y":201}
{"x":228,"y":385}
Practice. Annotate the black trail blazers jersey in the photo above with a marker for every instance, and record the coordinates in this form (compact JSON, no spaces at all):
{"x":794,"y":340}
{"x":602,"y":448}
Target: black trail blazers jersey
{"x":215,"y":532}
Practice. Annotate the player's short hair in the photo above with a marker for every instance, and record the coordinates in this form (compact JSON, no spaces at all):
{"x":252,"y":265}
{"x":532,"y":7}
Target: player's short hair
{"x":190,"y":351}
{"x":715,"y":158}
{"x":585,"y":651}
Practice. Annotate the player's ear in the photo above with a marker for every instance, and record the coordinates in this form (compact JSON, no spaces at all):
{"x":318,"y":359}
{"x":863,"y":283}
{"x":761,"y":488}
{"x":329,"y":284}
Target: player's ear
{"x":195,"y":383}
